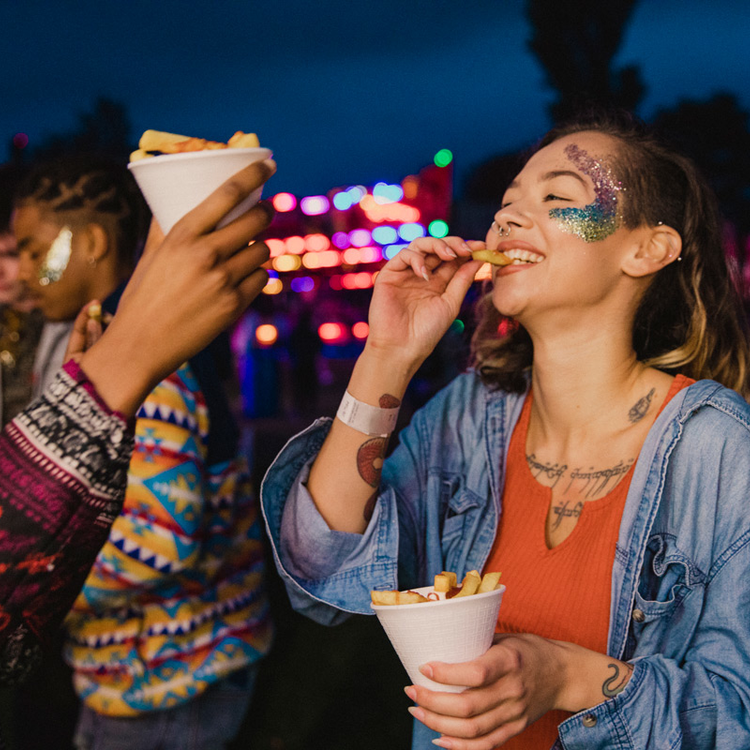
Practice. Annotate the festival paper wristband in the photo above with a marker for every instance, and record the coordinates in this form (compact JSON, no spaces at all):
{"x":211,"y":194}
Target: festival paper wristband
{"x":371,"y":420}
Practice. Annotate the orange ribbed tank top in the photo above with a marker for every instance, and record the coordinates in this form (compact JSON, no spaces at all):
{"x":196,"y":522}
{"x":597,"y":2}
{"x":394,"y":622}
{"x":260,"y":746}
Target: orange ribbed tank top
{"x":561,"y":593}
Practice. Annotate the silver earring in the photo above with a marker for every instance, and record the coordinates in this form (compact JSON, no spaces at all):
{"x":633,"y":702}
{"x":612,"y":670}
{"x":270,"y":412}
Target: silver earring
{"x":91,"y":261}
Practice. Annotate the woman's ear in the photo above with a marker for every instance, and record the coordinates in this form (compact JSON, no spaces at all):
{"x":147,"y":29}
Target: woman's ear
{"x":658,"y":247}
{"x":97,"y":243}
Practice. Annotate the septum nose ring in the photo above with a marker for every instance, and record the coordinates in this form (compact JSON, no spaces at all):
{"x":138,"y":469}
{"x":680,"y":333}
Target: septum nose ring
{"x":500,"y":231}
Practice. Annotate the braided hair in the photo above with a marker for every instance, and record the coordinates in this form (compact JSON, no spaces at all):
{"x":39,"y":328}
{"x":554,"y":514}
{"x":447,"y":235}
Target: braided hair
{"x":91,"y":189}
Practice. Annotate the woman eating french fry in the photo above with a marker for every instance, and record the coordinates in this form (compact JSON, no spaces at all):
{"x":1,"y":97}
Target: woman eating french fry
{"x":597,"y":453}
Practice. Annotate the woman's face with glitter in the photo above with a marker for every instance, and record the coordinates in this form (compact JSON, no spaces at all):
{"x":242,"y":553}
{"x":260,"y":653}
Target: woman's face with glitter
{"x":564,"y":214}
{"x":52,"y":266}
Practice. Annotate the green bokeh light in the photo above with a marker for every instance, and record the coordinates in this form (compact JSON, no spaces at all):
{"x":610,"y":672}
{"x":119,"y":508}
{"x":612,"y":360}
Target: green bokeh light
{"x":458,"y":326}
{"x":438,"y":228}
{"x":443,"y":157}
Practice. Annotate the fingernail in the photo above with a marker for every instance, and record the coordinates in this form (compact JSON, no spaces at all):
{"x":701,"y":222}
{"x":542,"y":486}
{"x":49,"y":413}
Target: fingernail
{"x":416,"y":712}
{"x":425,"y":275}
{"x":441,"y":742}
{"x":271,"y":164}
{"x":426,"y":670}
{"x":411,"y":692}
{"x":450,"y":252}
{"x":464,"y":246}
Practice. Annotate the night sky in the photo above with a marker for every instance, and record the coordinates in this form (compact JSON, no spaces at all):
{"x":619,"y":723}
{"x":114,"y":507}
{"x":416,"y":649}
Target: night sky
{"x":343,"y":92}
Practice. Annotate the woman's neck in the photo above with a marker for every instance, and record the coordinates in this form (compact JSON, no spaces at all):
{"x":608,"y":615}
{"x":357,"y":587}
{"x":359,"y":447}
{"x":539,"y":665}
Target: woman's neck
{"x":586,"y":384}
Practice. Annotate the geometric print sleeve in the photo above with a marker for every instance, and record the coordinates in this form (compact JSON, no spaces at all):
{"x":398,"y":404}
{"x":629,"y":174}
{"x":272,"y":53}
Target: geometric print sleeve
{"x":158,"y":531}
{"x":63,"y":470}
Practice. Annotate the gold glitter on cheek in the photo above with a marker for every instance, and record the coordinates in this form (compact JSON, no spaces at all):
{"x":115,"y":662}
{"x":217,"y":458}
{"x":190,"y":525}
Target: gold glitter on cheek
{"x":57,"y":258}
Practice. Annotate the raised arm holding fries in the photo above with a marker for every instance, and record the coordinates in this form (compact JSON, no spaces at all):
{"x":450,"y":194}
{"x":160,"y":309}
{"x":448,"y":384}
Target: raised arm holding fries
{"x":65,"y":457}
{"x":579,"y":456}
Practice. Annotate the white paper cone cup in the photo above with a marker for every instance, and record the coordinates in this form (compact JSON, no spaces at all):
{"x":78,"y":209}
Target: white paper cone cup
{"x":449,"y":630}
{"x":174,"y":184}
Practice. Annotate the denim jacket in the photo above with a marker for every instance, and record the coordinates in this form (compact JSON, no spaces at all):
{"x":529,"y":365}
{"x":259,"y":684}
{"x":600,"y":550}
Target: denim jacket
{"x":680,"y":604}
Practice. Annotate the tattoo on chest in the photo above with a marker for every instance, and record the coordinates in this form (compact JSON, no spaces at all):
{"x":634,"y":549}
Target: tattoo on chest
{"x":563,"y":510}
{"x":587,"y":483}
{"x":639,"y":409}
{"x":616,"y":683}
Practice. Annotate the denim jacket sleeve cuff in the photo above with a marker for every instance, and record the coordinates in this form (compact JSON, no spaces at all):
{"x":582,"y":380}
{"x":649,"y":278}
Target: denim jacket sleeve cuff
{"x":604,"y":726}
{"x":308,"y":547}
{"x":362,"y":562}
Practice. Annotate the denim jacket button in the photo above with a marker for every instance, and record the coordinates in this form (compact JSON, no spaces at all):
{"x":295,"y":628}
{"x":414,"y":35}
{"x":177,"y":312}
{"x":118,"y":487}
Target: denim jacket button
{"x":589,"y":720}
{"x":638,"y":615}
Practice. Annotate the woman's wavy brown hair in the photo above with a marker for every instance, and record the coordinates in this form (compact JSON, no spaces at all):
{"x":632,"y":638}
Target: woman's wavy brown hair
{"x":691,"y":319}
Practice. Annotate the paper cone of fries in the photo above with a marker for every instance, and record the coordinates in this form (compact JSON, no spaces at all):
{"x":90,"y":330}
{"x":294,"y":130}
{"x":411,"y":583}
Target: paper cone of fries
{"x":447,"y":630}
{"x":173,"y":184}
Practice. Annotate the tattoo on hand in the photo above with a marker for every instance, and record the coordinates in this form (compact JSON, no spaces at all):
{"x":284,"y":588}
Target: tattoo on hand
{"x":639,"y":409}
{"x":370,"y":460}
{"x":616,"y":683}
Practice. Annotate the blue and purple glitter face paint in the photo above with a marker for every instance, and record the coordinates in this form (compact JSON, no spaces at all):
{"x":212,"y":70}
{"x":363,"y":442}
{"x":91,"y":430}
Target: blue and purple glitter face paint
{"x":599,"y":219}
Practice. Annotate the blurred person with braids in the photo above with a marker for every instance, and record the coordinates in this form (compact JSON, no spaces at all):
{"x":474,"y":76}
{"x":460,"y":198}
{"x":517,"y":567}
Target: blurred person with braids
{"x":597,"y":454}
{"x":165,"y":637}
{"x":20,"y":323}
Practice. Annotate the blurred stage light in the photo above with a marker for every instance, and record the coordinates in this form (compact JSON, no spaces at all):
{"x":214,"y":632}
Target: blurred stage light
{"x":266,"y":334}
{"x":277,"y":247}
{"x":443,"y":157}
{"x":360,"y":237}
{"x":392,"y":250}
{"x":438,"y":228}
{"x":287,"y":263}
{"x":295,"y":245}
{"x":284,"y":202}
{"x":384,"y":193}
{"x":303,"y":284}
{"x":360,"y":330}
{"x":274,"y":285}
{"x":314,"y":205}
{"x":341,"y":240}
{"x":342,"y":201}
{"x":317,"y":242}
{"x":384,"y":235}
{"x":411,"y":231}
{"x":331,"y":332}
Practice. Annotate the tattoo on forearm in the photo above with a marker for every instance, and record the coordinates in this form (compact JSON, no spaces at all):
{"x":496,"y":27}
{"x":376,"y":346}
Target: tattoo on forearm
{"x":561,"y":510}
{"x":616,"y":683}
{"x":370,"y":460}
{"x":386,"y":401}
{"x":639,"y":409}
{"x":370,"y":506}
{"x":594,"y":481}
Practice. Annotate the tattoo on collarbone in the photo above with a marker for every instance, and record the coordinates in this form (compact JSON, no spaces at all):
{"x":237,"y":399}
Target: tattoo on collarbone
{"x":370,"y":460}
{"x":587,"y":483}
{"x":553,"y":472}
{"x":562,"y":510}
{"x":639,"y":409}
{"x":616,"y":683}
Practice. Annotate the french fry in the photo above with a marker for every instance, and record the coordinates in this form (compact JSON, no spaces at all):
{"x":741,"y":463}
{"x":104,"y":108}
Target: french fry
{"x":470,"y":583}
{"x":243,"y":140}
{"x":140,"y":154}
{"x":155,"y":140}
{"x":489,"y":582}
{"x":445,"y":581}
{"x":397,"y":597}
{"x":494,"y":257}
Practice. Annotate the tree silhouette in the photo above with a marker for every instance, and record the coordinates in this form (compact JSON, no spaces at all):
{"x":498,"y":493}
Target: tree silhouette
{"x":104,"y":130}
{"x":576,"y":43}
{"x":714,"y":133}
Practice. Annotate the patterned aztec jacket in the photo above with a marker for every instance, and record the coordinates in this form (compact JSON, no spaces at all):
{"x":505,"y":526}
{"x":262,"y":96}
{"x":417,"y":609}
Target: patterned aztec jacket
{"x":175,"y":600}
{"x":63,"y":470}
